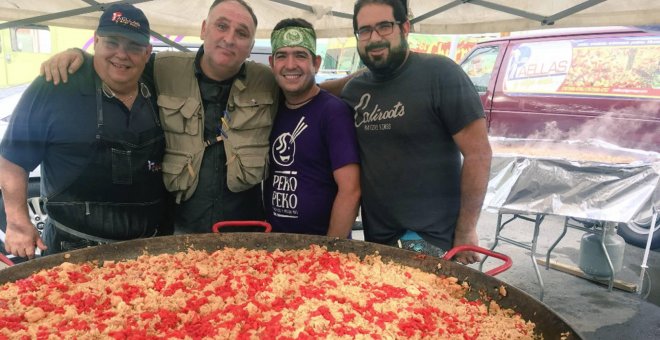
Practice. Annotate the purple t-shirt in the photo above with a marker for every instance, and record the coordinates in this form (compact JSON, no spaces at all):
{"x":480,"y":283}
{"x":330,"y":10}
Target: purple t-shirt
{"x":307,"y":145}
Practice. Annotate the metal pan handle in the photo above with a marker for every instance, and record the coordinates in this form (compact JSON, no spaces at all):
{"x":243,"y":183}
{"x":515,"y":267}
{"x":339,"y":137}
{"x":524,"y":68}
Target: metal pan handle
{"x":507,"y":260}
{"x":4,"y":259}
{"x":267,"y":227}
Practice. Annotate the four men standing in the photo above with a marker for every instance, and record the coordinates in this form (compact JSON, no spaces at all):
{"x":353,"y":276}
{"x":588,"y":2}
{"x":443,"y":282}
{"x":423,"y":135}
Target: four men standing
{"x":415,"y":115}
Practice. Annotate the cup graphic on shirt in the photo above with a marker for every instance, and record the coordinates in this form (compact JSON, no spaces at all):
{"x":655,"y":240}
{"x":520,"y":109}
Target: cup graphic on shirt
{"x":284,"y":147}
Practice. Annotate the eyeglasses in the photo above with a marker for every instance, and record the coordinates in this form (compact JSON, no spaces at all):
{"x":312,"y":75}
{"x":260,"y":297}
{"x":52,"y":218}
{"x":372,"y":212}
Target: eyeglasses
{"x":113,"y":44}
{"x":382,"y":28}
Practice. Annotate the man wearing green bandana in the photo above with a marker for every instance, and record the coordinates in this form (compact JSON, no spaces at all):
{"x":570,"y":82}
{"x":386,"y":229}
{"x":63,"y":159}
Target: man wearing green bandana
{"x":314,"y":181}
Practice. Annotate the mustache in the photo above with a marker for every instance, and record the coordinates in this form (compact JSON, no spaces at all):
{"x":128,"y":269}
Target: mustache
{"x":377,"y":45}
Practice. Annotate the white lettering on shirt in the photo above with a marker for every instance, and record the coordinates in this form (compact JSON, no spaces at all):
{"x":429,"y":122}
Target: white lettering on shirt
{"x":284,"y":199}
{"x":365,"y":115}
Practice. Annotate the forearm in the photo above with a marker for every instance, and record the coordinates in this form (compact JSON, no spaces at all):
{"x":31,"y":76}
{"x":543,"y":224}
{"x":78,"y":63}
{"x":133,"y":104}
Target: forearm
{"x":13,"y":181}
{"x":335,"y":86}
{"x":474,"y":183}
{"x":344,"y":212}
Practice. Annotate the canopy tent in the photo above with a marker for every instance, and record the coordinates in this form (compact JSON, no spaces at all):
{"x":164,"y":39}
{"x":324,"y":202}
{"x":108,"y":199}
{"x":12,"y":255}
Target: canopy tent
{"x":334,"y":18}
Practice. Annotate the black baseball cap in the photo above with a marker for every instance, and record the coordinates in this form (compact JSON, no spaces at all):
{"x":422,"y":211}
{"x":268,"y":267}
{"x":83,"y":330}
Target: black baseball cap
{"x":124,"y":20}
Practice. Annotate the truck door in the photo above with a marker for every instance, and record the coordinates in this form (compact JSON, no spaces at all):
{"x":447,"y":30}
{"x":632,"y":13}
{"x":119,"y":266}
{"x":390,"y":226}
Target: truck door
{"x":27,"y":47}
{"x":481,"y":65}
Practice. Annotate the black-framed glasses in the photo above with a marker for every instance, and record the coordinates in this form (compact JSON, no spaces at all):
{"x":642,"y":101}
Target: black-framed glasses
{"x":383,"y":28}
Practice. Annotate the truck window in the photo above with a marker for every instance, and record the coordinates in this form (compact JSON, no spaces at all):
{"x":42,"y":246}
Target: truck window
{"x":35,"y":39}
{"x":479,"y":66}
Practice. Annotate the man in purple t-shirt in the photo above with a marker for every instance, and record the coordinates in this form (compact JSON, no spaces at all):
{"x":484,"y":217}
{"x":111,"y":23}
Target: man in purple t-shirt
{"x":314,"y":181}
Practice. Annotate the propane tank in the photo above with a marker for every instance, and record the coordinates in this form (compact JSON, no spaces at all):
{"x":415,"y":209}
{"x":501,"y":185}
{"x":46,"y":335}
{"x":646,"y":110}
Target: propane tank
{"x":592,"y":259}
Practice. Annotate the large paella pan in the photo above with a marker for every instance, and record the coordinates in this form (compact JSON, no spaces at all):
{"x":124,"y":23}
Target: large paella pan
{"x":486,"y":288}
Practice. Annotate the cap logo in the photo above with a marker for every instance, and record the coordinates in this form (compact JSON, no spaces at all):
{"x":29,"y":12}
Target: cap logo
{"x":118,"y":17}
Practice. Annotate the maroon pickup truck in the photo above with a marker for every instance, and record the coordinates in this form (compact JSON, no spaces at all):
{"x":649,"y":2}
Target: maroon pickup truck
{"x":601,"y":83}
{"x":568,"y":84}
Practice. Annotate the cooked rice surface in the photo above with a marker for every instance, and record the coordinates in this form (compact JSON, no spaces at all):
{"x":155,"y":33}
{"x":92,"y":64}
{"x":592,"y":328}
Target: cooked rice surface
{"x":249,"y":294}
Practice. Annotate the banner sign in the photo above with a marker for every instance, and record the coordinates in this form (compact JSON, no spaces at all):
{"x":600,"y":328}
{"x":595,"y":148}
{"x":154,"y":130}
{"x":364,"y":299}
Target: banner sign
{"x":625,"y":67}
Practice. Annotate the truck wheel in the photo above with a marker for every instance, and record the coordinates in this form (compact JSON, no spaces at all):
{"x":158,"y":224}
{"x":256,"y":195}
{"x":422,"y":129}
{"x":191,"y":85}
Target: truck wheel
{"x":637,"y":234}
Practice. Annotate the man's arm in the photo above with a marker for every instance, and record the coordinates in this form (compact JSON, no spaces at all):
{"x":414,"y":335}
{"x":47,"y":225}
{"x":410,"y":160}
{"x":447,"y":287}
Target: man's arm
{"x":59,"y":66}
{"x":345,"y":206}
{"x":335,"y":86}
{"x":21,"y":237}
{"x":473,"y":144}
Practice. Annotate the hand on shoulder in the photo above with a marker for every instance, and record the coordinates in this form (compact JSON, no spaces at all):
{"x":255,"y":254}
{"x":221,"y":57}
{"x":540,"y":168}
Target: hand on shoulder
{"x":58,"y":67}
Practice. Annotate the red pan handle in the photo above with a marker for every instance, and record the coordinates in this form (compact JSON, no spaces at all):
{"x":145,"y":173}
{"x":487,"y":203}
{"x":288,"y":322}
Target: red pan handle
{"x":6,"y":260}
{"x":507,"y":260}
{"x":267,"y":227}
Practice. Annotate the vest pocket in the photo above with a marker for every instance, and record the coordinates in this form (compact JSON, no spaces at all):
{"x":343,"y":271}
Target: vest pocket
{"x":179,"y":114}
{"x":178,"y":173}
{"x":250,"y":111}
{"x":247,"y":167}
{"x":247,"y":146}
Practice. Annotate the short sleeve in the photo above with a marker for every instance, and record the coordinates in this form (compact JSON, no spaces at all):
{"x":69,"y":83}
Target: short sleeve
{"x":340,"y":134}
{"x":457,"y":100}
{"x":24,"y":142}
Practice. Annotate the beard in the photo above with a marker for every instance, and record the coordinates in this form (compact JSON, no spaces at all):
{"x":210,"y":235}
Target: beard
{"x":384,"y":66}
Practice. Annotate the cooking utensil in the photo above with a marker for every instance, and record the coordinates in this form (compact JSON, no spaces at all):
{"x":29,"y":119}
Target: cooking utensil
{"x":483,"y":287}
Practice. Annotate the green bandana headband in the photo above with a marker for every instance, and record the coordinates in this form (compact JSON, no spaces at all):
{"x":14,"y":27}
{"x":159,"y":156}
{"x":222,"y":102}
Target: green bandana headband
{"x":293,"y":37}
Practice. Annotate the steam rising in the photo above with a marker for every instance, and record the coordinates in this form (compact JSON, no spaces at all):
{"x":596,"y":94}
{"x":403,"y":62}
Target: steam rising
{"x":636,"y":130}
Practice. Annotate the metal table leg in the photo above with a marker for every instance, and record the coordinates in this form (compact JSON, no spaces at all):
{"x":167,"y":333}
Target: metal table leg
{"x":644,"y":266}
{"x":498,"y":229}
{"x":537,"y":227}
{"x":552,"y":247}
{"x":531,"y":246}
{"x":607,"y":225}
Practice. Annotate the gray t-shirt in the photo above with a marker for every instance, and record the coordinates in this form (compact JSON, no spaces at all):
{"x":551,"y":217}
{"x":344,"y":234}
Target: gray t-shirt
{"x":410,"y":163}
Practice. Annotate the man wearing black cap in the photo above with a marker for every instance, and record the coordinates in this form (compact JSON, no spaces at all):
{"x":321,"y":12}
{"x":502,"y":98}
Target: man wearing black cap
{"x":100,"y":145}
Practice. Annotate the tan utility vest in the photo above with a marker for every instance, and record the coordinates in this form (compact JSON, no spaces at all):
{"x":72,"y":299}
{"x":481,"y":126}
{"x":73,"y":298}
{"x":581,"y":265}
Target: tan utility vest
{"x":251,"y":107}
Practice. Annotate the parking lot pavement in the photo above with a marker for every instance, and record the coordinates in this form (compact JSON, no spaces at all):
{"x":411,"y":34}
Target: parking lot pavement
{"x":587,"y":306}
{"x":9,"y":96}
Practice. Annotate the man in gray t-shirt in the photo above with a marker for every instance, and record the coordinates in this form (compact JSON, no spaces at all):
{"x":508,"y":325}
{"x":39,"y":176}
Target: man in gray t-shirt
{"x":415,"y":116}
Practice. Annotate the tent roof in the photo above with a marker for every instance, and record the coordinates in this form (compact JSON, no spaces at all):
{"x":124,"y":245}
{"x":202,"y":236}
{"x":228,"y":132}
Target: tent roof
{"x":333,"y":18}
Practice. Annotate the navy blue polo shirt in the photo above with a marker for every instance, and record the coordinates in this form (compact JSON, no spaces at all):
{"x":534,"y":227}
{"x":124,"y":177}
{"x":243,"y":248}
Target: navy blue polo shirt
{"x":55,"y":126}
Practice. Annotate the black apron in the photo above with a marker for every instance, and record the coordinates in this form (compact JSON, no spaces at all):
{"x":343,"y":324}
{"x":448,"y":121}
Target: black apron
{"x":118,"y":196}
